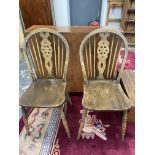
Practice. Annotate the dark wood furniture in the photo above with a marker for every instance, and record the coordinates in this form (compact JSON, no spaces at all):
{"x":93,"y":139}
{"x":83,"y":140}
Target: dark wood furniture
{"x":37,"y":12}
{"x":128,"y":83}
{"x":46,"y":53}
{"x":99,"y":53}
{"x":74,"y":36}
{"x":128,"y":22}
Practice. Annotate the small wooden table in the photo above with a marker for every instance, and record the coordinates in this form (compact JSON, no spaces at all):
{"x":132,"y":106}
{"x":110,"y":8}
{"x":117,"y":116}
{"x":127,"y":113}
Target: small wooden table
{"x":128,"y":83}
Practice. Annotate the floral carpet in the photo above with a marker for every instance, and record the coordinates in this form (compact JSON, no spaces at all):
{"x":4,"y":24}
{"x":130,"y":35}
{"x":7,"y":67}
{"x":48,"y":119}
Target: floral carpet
{"x":43,"y":123}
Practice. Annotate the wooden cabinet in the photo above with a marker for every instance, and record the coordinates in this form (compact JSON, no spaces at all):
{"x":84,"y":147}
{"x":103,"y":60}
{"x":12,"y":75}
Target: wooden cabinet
{"x":121,"y":13}
{"x":128,"y":21}
{"x":115,"y":12}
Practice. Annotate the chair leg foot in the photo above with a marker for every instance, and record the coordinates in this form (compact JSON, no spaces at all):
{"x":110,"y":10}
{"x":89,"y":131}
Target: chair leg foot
{"x":124,"y":121}
{"x":25,"y":119}
{"x":82,"y":123}
{"x":64,"y":121}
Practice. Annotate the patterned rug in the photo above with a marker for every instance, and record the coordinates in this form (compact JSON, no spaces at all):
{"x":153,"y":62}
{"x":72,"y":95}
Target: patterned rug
{"x":43,"y":123}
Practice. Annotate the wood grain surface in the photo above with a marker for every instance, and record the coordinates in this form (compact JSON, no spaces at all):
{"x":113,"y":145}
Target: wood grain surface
{"x":36,"y":12}
{"x":128,"y":81}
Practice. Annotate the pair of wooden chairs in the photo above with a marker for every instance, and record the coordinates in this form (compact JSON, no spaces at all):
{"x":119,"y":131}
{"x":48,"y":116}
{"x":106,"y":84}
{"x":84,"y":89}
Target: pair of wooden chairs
{"x":47,"y":54}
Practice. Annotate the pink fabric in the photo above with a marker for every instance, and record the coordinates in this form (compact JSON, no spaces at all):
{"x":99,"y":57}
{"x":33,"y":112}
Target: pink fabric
{"x":97,"y":146}
{"x":130,"y":61}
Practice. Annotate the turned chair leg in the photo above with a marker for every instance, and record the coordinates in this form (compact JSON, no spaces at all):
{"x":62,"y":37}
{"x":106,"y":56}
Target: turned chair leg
{"x":68,"y":98}
{"x":65,"y":107}
{"x":84,"y":114}
{"x":25,"y":119}
{"x":64,"y":121}
{"x":124,"y":121}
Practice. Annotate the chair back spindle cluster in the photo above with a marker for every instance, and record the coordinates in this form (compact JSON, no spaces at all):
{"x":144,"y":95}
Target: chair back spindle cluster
{"x":47,"y":54}
{"x":99,"y":52}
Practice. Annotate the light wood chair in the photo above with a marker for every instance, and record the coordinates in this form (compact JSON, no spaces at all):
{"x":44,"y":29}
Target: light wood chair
{"x":46,"y":53}
{"x":99,"y":52}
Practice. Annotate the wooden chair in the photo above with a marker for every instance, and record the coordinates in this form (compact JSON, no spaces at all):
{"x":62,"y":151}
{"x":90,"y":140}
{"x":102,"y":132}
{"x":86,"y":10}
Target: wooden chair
{"x":99,"y":53}
{"x":46,"y":53}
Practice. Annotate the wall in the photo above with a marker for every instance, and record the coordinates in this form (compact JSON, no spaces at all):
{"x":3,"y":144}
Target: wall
{"x":62,"y":17}
{"x":103,"y":13}
{"x":83,"y":11}
{"x":21,"y":33}
{"x":62,"y":12}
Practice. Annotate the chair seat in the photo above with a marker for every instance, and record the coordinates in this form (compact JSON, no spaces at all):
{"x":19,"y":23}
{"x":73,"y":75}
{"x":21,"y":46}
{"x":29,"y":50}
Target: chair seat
{"x":100,"y":95}
{"x":44,"y":93}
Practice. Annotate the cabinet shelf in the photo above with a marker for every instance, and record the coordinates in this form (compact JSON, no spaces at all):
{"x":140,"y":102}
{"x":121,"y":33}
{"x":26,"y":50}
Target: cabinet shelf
{"x":129,"y":20}
{"x":131,"y":44}
{"x":132,"y":32}
{"x":131,"y":9}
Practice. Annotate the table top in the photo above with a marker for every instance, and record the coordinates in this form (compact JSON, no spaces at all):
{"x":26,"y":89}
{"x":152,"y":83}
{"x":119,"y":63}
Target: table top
{"x":71,"y":29}
{"x":128,"y":80}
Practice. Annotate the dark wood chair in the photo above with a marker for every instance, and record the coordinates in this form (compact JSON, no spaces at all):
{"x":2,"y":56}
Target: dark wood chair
{"x":99,"y":52}
{"x":46,"y":53}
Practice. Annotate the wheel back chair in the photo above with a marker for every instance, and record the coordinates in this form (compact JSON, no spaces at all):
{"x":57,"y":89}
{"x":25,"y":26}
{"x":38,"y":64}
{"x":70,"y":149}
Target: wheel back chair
{"x":99,"y":53}
{"x":46,"y":53}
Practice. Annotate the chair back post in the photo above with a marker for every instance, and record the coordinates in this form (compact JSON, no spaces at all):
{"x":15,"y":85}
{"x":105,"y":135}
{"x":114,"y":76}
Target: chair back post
{"x":49,"y":54}
{"x":105,"y":52}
